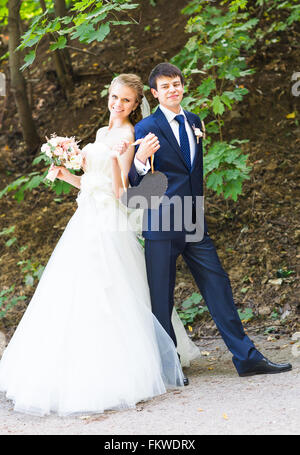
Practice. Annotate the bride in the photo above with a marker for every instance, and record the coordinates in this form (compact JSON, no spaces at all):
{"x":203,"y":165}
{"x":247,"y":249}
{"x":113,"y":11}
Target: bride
{"x":88,"y":341}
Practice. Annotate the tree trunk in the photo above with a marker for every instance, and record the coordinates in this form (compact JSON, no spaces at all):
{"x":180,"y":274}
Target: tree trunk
{"x":61,"y":11}
{"x":43,"y":5}
{"x":60,"y":8}
{"x":18,"y":83}
{"x":62,"y":60}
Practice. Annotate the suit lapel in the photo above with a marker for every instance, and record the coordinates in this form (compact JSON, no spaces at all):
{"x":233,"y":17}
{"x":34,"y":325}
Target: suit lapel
{"x":166,"y":130}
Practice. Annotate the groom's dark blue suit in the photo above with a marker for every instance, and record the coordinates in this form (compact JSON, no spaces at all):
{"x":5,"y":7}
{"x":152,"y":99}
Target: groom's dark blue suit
{"x":162,"y":247}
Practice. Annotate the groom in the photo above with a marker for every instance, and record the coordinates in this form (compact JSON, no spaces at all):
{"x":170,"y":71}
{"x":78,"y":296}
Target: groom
{"x":180,"y":159}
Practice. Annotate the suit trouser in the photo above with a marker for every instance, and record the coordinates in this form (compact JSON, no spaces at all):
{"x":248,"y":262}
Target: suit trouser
{"x":214,"y":286}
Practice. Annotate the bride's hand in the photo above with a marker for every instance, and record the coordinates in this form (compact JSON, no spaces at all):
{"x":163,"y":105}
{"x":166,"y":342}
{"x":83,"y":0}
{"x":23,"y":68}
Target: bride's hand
{"x":120,"y":149}
{"x":62,"y":174}
{"x":148,"y":146}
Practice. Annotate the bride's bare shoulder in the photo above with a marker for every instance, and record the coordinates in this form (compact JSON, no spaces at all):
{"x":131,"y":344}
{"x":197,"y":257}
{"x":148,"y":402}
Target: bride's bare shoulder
{"x":127,"y":132}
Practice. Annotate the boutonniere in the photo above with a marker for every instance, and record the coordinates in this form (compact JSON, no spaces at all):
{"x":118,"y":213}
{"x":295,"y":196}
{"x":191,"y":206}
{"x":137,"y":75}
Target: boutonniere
{"x":198,"y":133}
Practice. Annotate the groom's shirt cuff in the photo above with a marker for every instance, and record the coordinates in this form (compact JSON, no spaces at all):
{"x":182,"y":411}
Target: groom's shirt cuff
{"x":141,"y":168}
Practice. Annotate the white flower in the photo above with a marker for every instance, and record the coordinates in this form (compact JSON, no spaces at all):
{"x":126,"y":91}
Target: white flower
{"x":75,"y":162}
{"x":65,"y":156}
{"x":54,"y":141}
{"x":59,"y":151}
{"x":47,"y":150}
{"x":198,"y":132}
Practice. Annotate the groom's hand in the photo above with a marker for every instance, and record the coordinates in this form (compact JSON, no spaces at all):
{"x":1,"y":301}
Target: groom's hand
{"x":148,"y":146}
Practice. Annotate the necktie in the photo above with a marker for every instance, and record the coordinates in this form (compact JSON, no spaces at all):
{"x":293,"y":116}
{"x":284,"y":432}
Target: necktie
{"x":184,"y":140}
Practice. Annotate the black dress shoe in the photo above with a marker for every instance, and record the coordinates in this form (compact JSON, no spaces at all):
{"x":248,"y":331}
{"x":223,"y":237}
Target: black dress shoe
{"x":185,"y":380}
{"x":264,"y":366}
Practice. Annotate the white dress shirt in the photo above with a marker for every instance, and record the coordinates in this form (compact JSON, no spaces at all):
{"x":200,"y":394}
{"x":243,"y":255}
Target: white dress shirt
{"x":142,"y":168}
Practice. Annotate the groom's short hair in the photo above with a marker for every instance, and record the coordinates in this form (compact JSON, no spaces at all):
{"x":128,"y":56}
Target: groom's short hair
{"x":164,"y":69}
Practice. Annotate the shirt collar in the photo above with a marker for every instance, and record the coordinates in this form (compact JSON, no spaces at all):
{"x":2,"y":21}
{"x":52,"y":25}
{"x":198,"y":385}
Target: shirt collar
{"x":169,"y":114}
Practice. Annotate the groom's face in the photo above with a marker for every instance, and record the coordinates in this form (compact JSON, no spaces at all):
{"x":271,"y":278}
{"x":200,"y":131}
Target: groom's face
{"x":169,"y":92}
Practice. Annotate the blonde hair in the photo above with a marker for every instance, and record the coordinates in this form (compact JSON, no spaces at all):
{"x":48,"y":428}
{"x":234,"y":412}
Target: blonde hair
{"x":135,"y":82}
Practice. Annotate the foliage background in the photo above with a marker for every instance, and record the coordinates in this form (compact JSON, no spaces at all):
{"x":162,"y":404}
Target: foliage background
{"x":257,"y":237}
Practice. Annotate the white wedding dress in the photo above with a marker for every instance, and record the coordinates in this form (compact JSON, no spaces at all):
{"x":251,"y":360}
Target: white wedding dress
{"x":88,"y":341}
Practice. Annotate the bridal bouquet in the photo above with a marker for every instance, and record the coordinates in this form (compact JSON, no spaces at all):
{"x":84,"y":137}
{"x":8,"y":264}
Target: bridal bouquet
{"x":63,"y":151}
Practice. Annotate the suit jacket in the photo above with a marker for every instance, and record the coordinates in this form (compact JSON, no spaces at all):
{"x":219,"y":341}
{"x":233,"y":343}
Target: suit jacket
{"x":183,"y":184}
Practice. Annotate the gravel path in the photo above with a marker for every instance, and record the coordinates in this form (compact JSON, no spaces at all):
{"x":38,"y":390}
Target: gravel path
{"x":217,"y":401}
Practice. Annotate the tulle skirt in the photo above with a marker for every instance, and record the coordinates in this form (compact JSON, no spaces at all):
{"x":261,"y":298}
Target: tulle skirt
{"x":88,"y":341}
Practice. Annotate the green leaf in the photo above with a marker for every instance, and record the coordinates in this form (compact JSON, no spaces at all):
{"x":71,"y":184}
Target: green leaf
{"x":29,"y":280}
{"x":207,"y":86}
{"x":29,"y":59}
{"x":4,"y":56}
{"x":217,"y":105}
{"x":40,"y":158}
{"x":19,"y":195}
{"x":34,"y":182}
{"x":11,"y":241}
{"x":120,"y":23}
{"x":59,"y":44}
{"x":244,"y":290}
{"x":214,"y":180}
{"x":61,"y":187}
{"x":100,"y":34}
{"x":14,"y":185}
{"x":217,"y":35}
{"x":129,"y":6}
{"x":246,"y":315}
{"x":233,"y":189}
{"x":212,"y":127}
{"x":226,"y":100}
{"x":98,"y":13}
{"x":82,"y":5}
{"x":82,"y":31}
{"x":31,"y":42}
{"x":187,"y":101}
{"x":8,"y":230}
{"x":194,"y":299}
{"x":231,"y":155}
{"x":66,"y":20}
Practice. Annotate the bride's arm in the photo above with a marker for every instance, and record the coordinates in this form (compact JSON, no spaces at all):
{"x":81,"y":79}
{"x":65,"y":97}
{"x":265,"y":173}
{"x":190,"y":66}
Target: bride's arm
{"x":124,"y":160}
{"x":65,"y":175}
